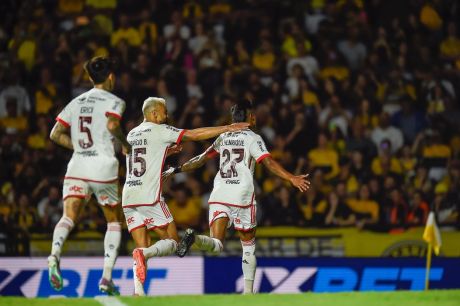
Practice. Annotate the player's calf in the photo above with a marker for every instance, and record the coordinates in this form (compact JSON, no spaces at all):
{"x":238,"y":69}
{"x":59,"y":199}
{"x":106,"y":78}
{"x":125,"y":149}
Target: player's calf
{"x":249,"y":264}
{"x":209,"y":244}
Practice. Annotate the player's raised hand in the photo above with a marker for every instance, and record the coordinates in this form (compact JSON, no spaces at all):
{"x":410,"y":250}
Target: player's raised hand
{"x":300,"y":182}
{"x":174,"y":149}
{"x":238,"y":126}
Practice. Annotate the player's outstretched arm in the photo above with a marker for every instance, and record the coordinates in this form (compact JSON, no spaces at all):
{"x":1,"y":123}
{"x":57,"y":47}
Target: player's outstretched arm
{"x":190,"y":165}
{"x":298,"y":181}
{"x":210,"y":132}
{"x":113,"y":125}
{"x":60,"y":135}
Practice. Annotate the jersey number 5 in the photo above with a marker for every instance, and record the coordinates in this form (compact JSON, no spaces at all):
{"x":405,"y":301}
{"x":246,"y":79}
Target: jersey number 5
{"x":136,"y":158}
{"x":85,"y":123}
{"x":231,"y":171}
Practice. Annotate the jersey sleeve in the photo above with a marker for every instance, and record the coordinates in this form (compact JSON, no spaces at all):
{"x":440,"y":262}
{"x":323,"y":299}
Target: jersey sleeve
{"x":171,"y":134}
{"x":117,"y":109}
{"x":258,"y":149}
{"x":214,"y":149}
{"x":65,"y":116}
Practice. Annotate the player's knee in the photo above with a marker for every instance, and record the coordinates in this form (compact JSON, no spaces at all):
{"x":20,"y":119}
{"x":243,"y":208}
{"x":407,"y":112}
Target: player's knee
{"x":218,"y":246}
{"x":249,"y":247}
{"x":66,"y":222}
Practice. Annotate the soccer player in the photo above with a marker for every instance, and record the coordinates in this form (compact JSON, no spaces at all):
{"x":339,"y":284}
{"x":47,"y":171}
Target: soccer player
{"x":143,"y":204}
{"x":93,"y":119}
{"x":232,"y":199}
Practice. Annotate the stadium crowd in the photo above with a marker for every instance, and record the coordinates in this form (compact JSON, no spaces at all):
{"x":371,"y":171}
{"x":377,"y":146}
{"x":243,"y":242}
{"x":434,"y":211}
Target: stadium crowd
{"x":363,"y":95}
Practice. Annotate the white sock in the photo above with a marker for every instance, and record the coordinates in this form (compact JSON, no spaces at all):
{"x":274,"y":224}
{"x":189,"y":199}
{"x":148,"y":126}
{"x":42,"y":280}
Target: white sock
{"x":111,"y":245}
{"x":138,"y":287}
{"x":161,"y":248}
{"x":60,"y":234}
{"x":209,"y":244}
{"x":249,"y":264}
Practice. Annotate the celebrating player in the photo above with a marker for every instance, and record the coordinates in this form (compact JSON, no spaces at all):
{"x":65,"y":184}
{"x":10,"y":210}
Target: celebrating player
{"x":143,"y":205}
{"x":232,"y":199}
{"x":93,"y":119}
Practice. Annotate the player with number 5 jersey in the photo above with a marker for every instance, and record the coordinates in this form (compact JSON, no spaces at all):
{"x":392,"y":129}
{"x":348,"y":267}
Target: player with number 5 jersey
{"x":145,"y":210}
{"x":88,"y":125}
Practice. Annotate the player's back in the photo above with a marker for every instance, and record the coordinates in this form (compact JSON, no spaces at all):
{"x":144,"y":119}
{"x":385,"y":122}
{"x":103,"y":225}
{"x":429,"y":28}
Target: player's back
{"x":238,"y":153}
{"x":94,"y":155}
{"x":149,"y":142}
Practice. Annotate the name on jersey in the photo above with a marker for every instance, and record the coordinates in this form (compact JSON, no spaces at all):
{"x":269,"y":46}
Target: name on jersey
{"x":87,"y":153}
{"x":86,"y":110}
{"x":232,"y":182}
{"x":133,"y":183}
{"x":234,"y":142}
{"x":138,"y":142}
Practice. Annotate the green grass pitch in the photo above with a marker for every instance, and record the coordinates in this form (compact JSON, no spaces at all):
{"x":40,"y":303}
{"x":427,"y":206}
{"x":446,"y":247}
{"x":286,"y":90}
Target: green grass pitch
{"x":401,"y":298}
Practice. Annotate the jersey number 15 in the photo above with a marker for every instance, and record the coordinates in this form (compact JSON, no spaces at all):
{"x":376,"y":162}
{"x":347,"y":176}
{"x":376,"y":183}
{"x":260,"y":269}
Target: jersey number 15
{"x":136,"y":158}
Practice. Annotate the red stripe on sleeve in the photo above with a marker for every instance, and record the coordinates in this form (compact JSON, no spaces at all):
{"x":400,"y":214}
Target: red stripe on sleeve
{"x":179,"y":139}
{"x":261,"y":158}
{"x":212,"y":153}
{"x":115,"y":115}
{"x":63,"y":122}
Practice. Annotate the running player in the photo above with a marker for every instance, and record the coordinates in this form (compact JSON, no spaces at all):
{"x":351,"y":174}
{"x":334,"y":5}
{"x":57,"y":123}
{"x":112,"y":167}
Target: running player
{"x":232,"y":199}
{"x":93,"y":119}
{"x":143,"y":204}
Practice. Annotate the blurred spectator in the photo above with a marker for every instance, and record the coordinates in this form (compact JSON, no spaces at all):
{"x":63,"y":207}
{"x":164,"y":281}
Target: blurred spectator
{"x":14,"y":92}
{"x":185,"y":208}
{"x":384,"y":131}
{"x":324,"y":157}
{"x":125,"y":32}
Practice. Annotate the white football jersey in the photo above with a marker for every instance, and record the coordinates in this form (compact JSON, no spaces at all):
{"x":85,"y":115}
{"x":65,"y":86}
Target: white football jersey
{"x":93,"y":157}
{"x":238,"y":151}
{"x":145,"y":163}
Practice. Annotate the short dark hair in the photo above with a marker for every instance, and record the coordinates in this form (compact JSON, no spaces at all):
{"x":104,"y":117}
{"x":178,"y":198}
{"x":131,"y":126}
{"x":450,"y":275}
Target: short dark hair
{"x":241,"y":110}
{"x":99,"y":68}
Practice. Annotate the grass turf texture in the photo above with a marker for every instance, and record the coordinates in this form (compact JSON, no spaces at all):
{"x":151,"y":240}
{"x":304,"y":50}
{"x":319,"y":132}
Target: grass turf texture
{"x":401,"y":298}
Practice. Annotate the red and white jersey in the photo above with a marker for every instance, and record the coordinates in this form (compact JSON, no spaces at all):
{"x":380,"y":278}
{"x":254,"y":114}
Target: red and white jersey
{"x":234,"y":183}
{"x":93,"y":158}
{"x":145,"y":163}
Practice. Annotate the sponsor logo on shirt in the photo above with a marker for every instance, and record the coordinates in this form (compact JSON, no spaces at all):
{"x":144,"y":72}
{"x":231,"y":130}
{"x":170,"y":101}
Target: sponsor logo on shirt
{"x":86,"y":110}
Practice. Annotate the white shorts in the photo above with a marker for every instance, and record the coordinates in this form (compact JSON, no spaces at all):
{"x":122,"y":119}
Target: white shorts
{"x":106,"y":193}
{"x":242,"y":218}
{"x":151,"y":217}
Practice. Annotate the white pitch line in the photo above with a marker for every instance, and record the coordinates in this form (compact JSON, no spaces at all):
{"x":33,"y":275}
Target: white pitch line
{"x":109,"y":301}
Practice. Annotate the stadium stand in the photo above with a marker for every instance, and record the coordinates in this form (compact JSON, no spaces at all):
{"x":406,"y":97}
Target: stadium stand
{"x":363,"y":95}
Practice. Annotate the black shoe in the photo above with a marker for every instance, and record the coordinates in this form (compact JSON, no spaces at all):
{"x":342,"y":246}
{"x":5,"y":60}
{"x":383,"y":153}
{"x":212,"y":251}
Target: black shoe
{"x":186,"y":242}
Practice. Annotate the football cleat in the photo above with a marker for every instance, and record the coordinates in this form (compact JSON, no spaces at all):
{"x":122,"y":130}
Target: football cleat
{"x":54,"y":273}
{"x":186,"y":242}
{"x":108,"y":287}
{"x":138,"y":256}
